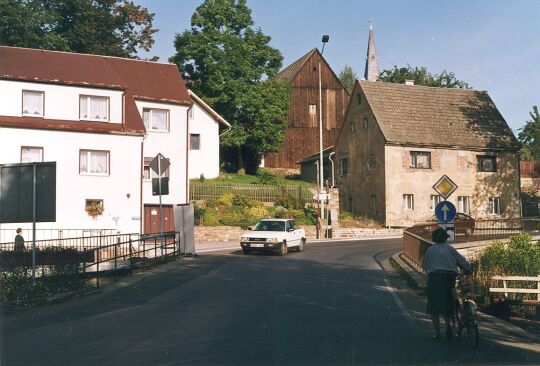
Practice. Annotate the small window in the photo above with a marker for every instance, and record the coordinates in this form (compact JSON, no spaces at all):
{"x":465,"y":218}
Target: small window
{"x":463,"y":204}
{"x":408,"y":202}
{"x":33,"y":102}
{"x":495,"y":205}
{"x":191,"y":112}
{"x":372,"y":161}
{"x":343,"y":167}
{"x":149,"y":173}
{"x":420,"y":160}
{"x":358,"y":98}
{"x":366,"y":123}
{"x":94,"y":108}
{"x":156,"y":120}
{"x":351,"y":126}
{"x":94,"y":162}
{"x":487,"y":163}
{"x":194,"y":141}
{"x":435,"y":199}
{"x":31,"y":154}
{"x":312,"y":109}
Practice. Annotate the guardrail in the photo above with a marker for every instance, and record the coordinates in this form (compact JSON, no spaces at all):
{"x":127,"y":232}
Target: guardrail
{"x":8,"y":235}
{"x":417,"y":239}
{"x":518,"y":290}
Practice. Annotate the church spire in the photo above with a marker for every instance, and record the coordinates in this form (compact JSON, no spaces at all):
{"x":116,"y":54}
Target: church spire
{"x":372,"y":64}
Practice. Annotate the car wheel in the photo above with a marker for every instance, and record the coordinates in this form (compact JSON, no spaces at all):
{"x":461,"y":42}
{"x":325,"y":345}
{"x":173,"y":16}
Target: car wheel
{"x":246,"y":251}
{"x":283,"y":248}
{"x":301,"y":245}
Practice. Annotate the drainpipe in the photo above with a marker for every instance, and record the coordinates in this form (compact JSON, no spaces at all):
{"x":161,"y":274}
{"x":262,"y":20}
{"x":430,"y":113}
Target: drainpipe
{"x":332,"y":161}
{"x":187,"y":152}
{"x":224,"y":132}
{"x":141,"y":204}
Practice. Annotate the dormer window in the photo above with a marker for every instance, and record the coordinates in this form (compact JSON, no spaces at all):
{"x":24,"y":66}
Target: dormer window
{"x":93,"y":108}
{"x":32,"y":103}
{"x":156,"y":120}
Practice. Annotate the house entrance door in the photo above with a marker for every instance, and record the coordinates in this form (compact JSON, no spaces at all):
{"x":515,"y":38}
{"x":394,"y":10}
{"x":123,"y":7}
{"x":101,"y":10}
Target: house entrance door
{"x":151,"y":218}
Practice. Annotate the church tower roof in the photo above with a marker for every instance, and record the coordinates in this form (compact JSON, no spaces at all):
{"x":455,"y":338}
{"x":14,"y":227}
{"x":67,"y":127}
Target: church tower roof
{"x":372,"y":64}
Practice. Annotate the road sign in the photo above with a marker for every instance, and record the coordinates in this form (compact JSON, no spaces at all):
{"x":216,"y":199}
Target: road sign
{"x":450,"y":230}
{"x":445,"y":186}
{"x":321,"y":196}
{"x":159,"y":164}
{"x":445,"y":212}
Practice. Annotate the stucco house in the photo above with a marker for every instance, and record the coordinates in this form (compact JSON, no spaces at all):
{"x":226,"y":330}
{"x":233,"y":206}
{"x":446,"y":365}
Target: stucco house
{"x":102,"y":120}
{"x":397,"y":140}
{"x":205,"y":125}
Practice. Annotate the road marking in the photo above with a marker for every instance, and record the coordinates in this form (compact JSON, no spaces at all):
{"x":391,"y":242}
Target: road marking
{"x":402,"y":307}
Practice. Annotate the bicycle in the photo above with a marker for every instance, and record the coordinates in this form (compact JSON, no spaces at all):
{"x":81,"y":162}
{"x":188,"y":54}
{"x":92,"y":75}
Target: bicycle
{"x":465,"y":317}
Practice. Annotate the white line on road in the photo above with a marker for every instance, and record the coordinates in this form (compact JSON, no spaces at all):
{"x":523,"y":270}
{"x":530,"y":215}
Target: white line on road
{"x":402,"y":307}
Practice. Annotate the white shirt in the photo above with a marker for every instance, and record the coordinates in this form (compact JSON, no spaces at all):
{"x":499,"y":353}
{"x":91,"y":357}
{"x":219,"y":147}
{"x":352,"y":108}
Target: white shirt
{"x":444,"y":257}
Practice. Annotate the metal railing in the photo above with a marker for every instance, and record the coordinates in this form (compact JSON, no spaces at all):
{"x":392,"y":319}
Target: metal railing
{"x":417,"y":239}
{"x":8,"y":235}
{"x":78,"y":243}
{"x":259,"y":192}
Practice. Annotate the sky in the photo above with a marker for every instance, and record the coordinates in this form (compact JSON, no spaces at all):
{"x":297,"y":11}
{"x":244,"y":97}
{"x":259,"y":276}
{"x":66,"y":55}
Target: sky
{"x":493,"y":45}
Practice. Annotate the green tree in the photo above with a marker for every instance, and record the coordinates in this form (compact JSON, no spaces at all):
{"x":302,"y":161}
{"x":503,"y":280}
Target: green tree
{"x":227,"y":61}
{"x":103,"y":27}
{"x":422,"y":76}
{"x":529,"y":136}
{"x":348,"y":77}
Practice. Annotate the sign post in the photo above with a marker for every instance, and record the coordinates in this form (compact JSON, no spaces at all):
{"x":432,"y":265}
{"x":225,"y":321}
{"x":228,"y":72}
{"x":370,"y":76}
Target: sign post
{"x":445,"y":211}
{"x":159,"y":165}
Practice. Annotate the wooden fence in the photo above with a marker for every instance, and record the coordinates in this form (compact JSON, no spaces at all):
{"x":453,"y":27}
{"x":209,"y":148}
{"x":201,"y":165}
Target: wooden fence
{"x":518,"y":290}
{"x":259,"y":192}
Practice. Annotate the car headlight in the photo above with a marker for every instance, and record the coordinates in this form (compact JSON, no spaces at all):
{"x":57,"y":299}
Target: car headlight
{"x":244,"y":238}
{"x":274,"y":240}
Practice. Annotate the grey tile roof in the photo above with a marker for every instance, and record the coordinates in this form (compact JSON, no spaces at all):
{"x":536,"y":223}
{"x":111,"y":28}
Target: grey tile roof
{"x":288,"y":73}
{"x":438,"y":116}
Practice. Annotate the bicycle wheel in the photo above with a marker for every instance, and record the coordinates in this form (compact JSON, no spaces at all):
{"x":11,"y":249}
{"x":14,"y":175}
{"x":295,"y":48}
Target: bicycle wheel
{"x":468,"y":333}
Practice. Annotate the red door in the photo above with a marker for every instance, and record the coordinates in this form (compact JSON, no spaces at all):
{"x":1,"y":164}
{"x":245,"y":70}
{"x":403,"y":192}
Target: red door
{"x":151,"y":218}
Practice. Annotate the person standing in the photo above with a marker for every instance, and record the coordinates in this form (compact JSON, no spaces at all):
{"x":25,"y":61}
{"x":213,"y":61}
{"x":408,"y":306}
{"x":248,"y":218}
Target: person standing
{"x":19,"y":241}
{"x":442,"y":263}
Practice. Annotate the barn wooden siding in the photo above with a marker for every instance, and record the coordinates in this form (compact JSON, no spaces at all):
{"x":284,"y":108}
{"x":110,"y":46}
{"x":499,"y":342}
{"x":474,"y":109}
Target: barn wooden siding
{"x":302,"y":135}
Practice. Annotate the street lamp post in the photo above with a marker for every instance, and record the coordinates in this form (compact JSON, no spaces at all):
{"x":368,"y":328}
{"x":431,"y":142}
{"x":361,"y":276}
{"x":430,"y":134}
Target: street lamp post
{"x":325,"y":39}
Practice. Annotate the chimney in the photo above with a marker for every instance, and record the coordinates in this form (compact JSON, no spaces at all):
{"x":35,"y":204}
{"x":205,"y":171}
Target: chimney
{"x":409,"y":82}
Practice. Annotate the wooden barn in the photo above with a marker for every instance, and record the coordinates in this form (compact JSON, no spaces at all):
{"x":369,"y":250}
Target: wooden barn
{"x":302,"y":135}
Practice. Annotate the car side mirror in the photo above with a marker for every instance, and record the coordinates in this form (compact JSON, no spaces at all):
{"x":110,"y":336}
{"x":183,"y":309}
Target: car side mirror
{"x":250,"y":228}
{"x":290,"y":229}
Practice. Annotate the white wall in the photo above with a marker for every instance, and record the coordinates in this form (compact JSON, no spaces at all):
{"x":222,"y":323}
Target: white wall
{"x":61,"y":102}
{"x":172,"y":145}
{"x":72,"y":190}
{"x":206,"y":160}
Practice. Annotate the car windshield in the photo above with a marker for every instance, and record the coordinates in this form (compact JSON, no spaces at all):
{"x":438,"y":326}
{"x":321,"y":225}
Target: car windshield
{"x":270,"y":226}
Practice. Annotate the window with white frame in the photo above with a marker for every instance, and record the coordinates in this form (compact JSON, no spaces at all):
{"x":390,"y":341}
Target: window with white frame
{"x":31,"y":154}
{"x":94,"y":162}
{"x":94,"y":108}
{"x":194,"y":141}
{"x":434,"y":201}
{"x":191,"y":112}
{"x":156,"y":119}
{"x":32,"y":103}
{"x":463,"y":203}
{"x":312,"y":109}
{"x":148,"y":173}
{"x":408,"y":202}
{"x":495,"y":205}
{"x":420,"y":159}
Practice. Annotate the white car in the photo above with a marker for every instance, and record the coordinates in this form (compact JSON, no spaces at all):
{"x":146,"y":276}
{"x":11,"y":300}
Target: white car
{"x":277,"y":235}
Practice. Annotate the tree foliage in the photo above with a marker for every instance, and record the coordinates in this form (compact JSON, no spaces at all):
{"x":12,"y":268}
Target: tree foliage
{"x":227,"y":62}
{"x":348,"y":77}
{"x":529,"y":136}
{"x":103,"y":27}
{"x":422,"y":76}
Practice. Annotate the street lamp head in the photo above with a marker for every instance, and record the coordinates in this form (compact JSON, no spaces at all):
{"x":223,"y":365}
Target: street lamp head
{"x":325,"y":38}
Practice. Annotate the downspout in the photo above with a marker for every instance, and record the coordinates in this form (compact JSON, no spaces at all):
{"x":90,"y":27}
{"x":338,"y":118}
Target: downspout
{"x":332,"y":161}
{"x":224,"y":132}
{"x":141,"y":203}
{"x":187,"y":152}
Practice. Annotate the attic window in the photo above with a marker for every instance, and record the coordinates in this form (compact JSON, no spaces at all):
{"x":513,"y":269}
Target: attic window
{"x":366,"y":123}
{"x":312,"y":109}
{"x":351,"y":124}
{"x":94,"y":108}
{"x":359,"y":98}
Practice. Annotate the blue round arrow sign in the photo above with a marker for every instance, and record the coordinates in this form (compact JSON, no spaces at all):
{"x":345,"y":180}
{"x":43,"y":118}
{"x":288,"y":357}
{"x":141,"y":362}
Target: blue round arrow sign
{"x":445,"y":211}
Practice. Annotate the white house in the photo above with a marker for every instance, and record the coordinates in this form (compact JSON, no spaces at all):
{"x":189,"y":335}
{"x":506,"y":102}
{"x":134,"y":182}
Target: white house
{"x":204,"y":133}
{"x":102,"y":120}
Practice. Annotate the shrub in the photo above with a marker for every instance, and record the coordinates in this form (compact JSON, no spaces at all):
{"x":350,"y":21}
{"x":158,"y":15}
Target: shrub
{"x":298,"y":215}
{"x":311,"y":215}
{"x":210,"y":218}
{"x":202,"y":178}
{"x":199,"y":215}
{"x":288,"y":202}
{"x":212,"y":202}
{"x":239,"y":200}
{"x":254,"y":203}
{"x":265,"y":176}
{"x":282,"y":213}
{"x":258,"y":212}
{"x":226,"y":199}
{"x":520,"y":257}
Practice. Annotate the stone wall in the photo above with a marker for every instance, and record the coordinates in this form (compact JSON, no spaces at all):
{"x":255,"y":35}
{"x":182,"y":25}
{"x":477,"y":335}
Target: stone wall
{"x":233,"y":233}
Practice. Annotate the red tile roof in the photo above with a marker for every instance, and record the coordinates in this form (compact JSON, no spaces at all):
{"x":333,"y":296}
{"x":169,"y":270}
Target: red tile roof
{"x":142,"y":80}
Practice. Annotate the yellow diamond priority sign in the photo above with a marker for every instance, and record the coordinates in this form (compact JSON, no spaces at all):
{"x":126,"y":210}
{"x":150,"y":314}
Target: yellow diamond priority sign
{"x":445,"y":187}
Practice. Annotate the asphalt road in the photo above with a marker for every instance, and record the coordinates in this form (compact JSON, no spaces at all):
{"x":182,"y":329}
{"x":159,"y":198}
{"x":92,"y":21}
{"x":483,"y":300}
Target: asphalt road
{"x":336,"y":303}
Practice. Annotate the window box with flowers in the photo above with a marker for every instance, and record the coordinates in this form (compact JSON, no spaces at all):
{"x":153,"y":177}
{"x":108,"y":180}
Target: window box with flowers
{"x":94,"y":208}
